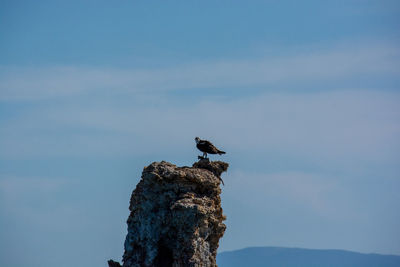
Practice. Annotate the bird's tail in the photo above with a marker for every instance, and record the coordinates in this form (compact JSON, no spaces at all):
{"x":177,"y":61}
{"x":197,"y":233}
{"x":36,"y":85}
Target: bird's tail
{"x":221,"y":152}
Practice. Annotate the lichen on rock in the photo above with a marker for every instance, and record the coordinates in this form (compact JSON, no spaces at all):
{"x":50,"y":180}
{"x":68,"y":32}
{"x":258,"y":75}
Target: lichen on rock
{"x":176,"y":216}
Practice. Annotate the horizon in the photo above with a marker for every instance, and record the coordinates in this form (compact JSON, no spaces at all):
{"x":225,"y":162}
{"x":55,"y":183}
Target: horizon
{"x":303,"y":97}
{"x":278,"y":256}
{"x":319,"y":249}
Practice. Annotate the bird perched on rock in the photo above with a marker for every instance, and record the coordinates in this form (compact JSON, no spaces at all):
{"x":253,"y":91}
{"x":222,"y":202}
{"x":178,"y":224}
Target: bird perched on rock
{"x":206,"y":147}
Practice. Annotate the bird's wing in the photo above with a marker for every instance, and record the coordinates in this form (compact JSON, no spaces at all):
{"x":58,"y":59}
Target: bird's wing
{"x":210,"y":146}
{"x":206,"y":143}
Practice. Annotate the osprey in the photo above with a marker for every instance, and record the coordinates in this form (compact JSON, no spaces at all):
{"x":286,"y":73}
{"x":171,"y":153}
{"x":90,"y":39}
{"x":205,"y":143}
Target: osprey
{"x":206,"y":147}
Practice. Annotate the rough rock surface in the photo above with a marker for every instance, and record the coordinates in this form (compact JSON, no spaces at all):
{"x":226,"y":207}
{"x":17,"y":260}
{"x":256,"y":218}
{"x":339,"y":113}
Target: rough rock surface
{"x":176,"y":216}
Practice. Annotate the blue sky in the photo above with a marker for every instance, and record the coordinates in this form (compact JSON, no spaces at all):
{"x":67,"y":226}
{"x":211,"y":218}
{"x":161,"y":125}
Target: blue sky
{"x":303,"y":96}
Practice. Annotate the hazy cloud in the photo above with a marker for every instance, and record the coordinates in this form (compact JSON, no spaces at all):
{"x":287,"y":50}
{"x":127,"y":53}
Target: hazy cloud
{"x":349,"y":127}
{"x":320,"y":65}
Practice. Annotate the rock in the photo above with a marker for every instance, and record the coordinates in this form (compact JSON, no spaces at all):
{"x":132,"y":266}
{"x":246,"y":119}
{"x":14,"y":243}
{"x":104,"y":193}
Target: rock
{"x":176,"y":217}
{"x":112,"y":263}
{"x":216,"y":167}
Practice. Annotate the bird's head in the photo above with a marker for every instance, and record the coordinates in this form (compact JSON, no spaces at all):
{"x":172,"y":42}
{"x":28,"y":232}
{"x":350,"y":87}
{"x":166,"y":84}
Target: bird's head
{"x":197,"y":140}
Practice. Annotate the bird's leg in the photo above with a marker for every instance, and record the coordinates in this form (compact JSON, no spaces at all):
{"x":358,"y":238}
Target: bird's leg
{"x":204,"y":155}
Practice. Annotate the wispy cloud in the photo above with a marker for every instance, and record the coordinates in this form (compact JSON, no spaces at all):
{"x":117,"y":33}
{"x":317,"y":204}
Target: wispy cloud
{"x":314,"y":193}
{"x":320,"y":65}
{"x":19,"y":196}
{"x":341,"y":128}
{"x":304,"y":204}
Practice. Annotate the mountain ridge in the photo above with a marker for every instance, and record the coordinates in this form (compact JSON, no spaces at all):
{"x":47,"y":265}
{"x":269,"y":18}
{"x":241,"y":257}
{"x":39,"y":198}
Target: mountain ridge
{"x":299,"y":257}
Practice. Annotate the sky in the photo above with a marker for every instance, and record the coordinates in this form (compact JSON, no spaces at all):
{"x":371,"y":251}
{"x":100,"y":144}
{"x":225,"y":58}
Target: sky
{"x":302,"y":95}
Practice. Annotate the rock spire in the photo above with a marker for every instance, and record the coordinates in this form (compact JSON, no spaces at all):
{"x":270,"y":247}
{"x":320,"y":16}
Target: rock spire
{"x":176,"y":217}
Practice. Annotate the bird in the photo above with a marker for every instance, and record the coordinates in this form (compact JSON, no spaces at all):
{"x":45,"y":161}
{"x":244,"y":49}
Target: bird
{"x":207,"y":147}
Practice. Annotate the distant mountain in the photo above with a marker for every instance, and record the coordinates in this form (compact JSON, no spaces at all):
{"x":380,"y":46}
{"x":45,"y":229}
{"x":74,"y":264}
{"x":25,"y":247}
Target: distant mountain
{"x":298,"y":257}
